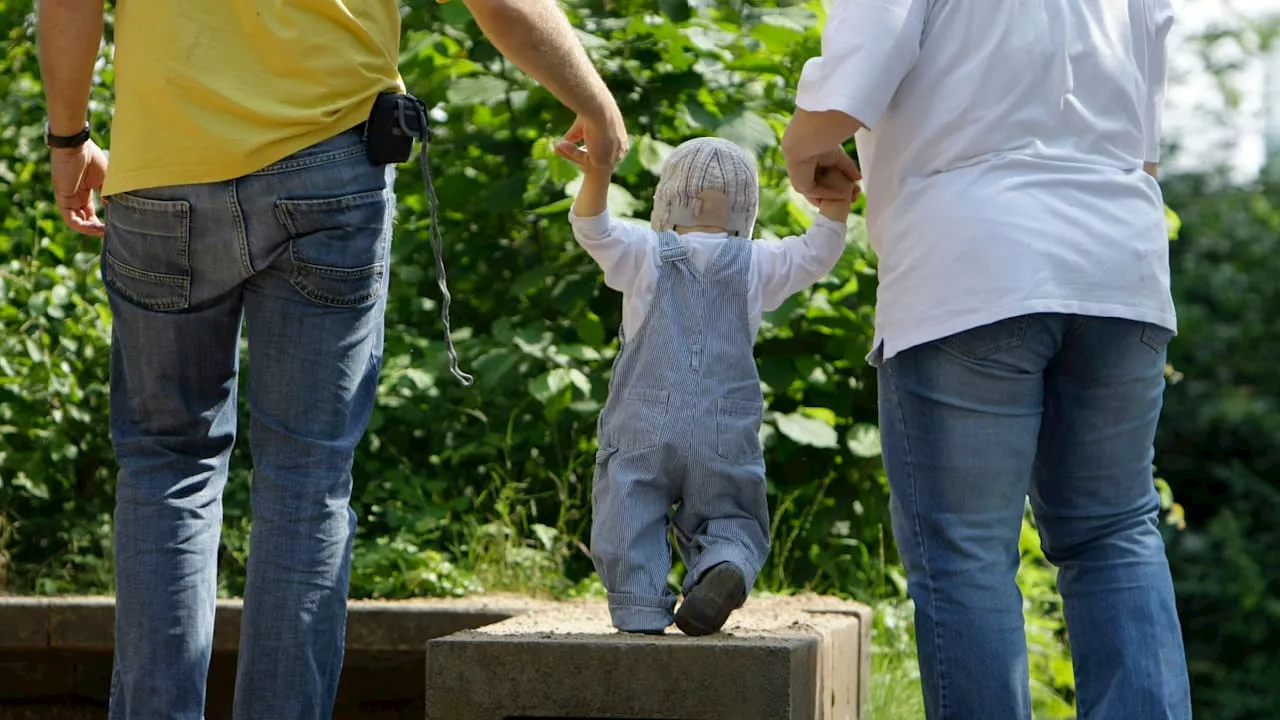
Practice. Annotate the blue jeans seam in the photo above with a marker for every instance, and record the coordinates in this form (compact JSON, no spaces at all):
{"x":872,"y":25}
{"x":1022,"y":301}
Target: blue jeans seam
{"x":919,"y":531}
{"x":242,"y":238}
{"x":311,"y":161}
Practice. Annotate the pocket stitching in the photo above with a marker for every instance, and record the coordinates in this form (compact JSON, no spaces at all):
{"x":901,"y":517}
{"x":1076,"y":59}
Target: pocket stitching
{"x":181,"y":209}
{"x":649,"y":435}
{"x":337,"y":273}
{"x":1149,"y":330}
{"x":286,"y":208}
{"x":1015,"y":339}
{"x":286,"y":211}
{"x":738,"y":408}
{"x":140,"y":274}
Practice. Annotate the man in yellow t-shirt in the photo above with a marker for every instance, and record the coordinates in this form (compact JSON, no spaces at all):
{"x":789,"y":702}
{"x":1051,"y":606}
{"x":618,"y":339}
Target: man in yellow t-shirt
{"x":253,"y":153}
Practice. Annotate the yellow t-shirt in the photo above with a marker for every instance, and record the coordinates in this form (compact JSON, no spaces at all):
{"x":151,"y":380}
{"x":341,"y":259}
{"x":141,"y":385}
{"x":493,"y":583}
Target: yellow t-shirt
{"x":210,"y":90}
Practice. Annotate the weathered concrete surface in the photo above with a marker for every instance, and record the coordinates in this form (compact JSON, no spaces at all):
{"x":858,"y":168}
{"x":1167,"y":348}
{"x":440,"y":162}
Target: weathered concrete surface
{"x":801,"y":658}
{"x":88,"y":623}
{"x":55,"y":654}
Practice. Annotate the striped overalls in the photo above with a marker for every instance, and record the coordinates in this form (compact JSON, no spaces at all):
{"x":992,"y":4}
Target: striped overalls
{"x":681,"y":426}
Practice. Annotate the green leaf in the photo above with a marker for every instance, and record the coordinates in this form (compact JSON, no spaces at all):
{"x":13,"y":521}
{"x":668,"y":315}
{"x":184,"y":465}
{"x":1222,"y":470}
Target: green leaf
{"x":558,"y":207}
{"x":864,"y":440}
{"x":778,"y":34}
{"x":546,"y":536}
{"x":826,"y":415}
{"x":550,"y":384}
{"x":748,"y":130}
{"x":622,"y":204}
{"x":702,"y":116}
{"x":1173,"y":221}
{"x":675,"y":10}
{"x":805,"y":430}
{"x":590,"y":330}
{"x":477,"y":90}
{"x":652,"y":153}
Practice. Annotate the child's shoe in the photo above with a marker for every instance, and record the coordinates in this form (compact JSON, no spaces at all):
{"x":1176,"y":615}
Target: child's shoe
{"x":721,"y":590}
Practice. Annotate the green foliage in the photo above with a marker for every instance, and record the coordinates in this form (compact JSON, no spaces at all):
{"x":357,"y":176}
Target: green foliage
{"x":55,"y":457}
{"x":465,"y":490}
{"x":1217,"y":444}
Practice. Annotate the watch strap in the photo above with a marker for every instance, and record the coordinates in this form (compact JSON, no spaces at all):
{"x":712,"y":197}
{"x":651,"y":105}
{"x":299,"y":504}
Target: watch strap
{"x":64,"y":142}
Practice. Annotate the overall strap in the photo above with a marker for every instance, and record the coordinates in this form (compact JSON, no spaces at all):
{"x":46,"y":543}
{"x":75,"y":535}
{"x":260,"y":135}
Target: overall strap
{"x":671,"y":247}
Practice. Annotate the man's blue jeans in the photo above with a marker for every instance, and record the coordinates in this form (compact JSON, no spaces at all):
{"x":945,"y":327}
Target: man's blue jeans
{"x":300,"y":252}
{"x":1065,"y":408}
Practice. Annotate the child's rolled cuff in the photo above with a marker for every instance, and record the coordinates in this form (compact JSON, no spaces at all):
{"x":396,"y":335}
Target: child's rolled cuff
{"x":640,"y":613}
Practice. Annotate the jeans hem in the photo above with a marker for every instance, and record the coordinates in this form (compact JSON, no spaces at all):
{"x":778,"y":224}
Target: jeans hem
{"x":641,"y":613}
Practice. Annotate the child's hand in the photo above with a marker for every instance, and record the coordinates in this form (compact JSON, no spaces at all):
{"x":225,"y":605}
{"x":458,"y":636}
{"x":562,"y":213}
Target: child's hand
{"x":593,"y":196}
{"x":837,"y":210}
{"x":569,"y":149}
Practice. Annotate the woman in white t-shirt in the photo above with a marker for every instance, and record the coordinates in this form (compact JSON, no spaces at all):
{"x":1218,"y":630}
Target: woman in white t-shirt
{"x":1022,"y":320}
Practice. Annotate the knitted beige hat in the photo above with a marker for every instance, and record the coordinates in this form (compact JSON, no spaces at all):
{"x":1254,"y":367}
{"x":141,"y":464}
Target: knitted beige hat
{"x":707,"y":181}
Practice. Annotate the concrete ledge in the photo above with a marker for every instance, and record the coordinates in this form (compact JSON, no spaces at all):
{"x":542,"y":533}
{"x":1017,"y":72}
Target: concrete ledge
{"x":55,"y":654}
{"x":802,"y":658}
{"x":88,"y":623}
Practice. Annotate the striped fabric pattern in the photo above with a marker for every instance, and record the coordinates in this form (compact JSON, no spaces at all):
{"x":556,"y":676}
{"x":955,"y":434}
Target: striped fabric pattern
{"x":681,"y":428}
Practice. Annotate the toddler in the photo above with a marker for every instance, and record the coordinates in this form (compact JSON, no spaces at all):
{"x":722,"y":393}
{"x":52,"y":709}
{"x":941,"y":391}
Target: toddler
{"x":681,"y":424}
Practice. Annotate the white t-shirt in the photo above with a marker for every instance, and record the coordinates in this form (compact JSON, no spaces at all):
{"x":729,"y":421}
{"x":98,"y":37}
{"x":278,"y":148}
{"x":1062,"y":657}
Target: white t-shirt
{"x":630,"y":257}
{"x":1003,"y":155}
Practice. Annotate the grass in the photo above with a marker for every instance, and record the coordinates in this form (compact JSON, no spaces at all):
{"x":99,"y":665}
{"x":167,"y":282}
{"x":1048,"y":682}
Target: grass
{"x":895,"y":676}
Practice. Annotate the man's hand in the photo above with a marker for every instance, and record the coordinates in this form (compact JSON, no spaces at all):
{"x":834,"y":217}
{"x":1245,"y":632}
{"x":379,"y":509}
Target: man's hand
{"x":811,"y":146}
{"x":77,"y":174}
{"x":535,"y":35}
{"x":827,"y":176}
{"x":605,"y":144}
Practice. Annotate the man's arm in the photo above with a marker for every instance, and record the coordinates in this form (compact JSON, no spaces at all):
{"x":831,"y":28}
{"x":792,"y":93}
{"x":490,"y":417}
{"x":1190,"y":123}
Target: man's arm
{"x":868,"y":47}
{"x":536,"y":37}
{"x":68,"y":35}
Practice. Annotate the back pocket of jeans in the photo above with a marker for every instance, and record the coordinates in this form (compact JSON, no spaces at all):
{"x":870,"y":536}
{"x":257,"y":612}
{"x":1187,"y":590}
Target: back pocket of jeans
{"x":1156,"y":337}
{"x":640,"y":418}
{"x":738,"y":429}
{"x":146,"y":251}
{"x":339,"y":246}
{"x":985,"y":341}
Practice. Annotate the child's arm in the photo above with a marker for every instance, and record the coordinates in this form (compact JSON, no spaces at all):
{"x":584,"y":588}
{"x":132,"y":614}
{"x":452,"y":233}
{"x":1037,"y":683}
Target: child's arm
{"x":788,"y":266}
{"x":622,"y":251}
{"x":593,"y":196}
{"x":784,"y":268}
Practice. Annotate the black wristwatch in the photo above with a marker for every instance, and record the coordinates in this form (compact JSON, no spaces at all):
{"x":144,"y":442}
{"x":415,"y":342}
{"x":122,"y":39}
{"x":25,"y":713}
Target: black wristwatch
{"x":66,"y":142}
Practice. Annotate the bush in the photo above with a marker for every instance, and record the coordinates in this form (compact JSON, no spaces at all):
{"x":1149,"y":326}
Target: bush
{"x":463,"y":490}
{"x":1217,"y":445}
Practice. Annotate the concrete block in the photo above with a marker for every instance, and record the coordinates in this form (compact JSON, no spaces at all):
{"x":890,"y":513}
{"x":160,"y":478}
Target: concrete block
{"x":24,"y":623}
{"x":408,"y":625}
{"x":82,"y":623}
{"x":34,"y":673}
{"x":799,"y":658}
{"x":88,"y":623}
{"x":56,"y":652}
{"x":53,"y":711}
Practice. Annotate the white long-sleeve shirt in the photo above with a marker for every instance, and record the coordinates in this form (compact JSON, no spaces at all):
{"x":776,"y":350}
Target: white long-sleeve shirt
{"x":1003,"y":156}
{"x":629,"y":256}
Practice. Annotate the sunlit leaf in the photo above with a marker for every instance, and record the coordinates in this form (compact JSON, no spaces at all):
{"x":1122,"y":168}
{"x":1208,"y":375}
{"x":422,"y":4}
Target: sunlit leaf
{"x":804,"y":430}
